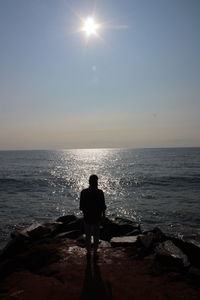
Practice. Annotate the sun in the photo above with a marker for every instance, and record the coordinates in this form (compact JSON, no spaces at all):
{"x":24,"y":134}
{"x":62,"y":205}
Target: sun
{"x":90,"y":27}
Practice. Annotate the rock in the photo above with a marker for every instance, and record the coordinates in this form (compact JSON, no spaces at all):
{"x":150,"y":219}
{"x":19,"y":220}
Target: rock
{"x":70,"y":234}
{"x":67,"y":219}
{"x":8,"y":266}
{"x":150,"y":238}
{"x":193,"y":271}
{"x":81,"y":241}
{"x":108,"y":230}
{"x":36,"y":231}
{"x":125,"y":229}
{"x":104,"y":244}
{"x":14,"y":246}
{"x":123,"y":241}
{"x":21,"y":238}
{"x":58,"y":269}
{"x":190,"y":249}
{"x":134,"y":232}
{"x":168,"y":253}
{"x":122,"y":221}
{"x":158,"y":235}
{"x":113,"y":229}
{"x":19,"y":234}
{"x":78,"y":224}
{"x":146,"y":240}
{"x":24,"y":233}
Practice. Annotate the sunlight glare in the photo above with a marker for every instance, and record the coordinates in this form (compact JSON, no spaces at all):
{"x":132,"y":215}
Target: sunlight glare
{"x":90,"y":26}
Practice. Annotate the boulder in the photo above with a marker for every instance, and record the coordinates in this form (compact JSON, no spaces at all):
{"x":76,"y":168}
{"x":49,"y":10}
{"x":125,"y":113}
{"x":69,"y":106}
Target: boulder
{"x":8,"y":266}
{"x":191,"y":249}
{"x":150,"y":238}
{"x":104,"y":244}
{"x":14,"y":246}
{"x":21,"y":238}
{"x":134,"y":232}
{"x":146,"y":240}
{"x":67,"y":219}
{"x":81,"y":241}
{"x":70,"y":234}
{"x":123,"y":230}
{"x":78,"y":224}
{"x":108,"y":230}
{"x":123,"y":221}
{"x":123,"y":241}
{"x":158,"y":235}
{"x":111,"y":229}
{"x":36,"y":231}
{"x":168,"y":253}
{"x":194,"y":272}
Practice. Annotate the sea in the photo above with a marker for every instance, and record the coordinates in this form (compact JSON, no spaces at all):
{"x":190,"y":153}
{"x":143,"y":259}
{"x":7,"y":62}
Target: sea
{"x":155,"y":187}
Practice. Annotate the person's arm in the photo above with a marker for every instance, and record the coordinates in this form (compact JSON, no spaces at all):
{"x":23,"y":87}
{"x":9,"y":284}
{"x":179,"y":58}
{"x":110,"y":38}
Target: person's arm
{"x":103,"y":206}
{"x":81,"y":206}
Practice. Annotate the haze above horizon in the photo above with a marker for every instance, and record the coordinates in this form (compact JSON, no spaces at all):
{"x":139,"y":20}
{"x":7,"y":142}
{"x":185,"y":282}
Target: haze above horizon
{"x":99,"y":74}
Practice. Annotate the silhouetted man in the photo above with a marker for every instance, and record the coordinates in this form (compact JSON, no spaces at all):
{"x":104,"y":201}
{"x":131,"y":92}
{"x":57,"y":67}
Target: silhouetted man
{"x":92,"y":203}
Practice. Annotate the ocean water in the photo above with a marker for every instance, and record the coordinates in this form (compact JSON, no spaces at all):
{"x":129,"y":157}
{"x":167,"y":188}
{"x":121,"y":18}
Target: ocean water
{"x":156,"y":187}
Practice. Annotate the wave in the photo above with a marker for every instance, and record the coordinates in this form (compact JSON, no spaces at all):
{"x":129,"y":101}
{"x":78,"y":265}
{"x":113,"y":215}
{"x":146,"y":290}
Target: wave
{"x":161,"y":181}
{"x":174,"y":180}
{"x":126,"y":182}
{"x":22,"y":182}
{"x":34,"y":183}
{"x":8,"y":180}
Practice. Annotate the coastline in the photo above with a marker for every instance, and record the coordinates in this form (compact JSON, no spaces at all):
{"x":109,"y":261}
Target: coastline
{"x":48,"y":261}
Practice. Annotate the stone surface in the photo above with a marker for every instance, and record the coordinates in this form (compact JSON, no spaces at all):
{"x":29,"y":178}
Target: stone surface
{"x":167,"y":252}
{"x":117,"y":228}
{"x":41,"y":262}
{"x":47,"y":256}
{"x":57,"y":269}
{"x":104,"y":244}
{"x":194,"y":271}
{"x":73,"y":234}
{"x":37,"y":231}
{"x":158,"y":235}
{"x":150,"y":238}
{"x":134,"y":232}
{"x":190,"y":249}
{"x":14,"y":246}
{"x":123,"y":221}
{"x":78,"y":224}
{"x":67,"y":219}
{"x":146,"y":240}
{"x":123,"y":241}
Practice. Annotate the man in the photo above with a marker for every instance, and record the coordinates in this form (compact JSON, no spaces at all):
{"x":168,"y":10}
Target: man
{"x":92,"y":203}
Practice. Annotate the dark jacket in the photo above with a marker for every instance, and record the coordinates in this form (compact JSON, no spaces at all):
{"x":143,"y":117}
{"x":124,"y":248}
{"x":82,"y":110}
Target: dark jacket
{"x":92,"y":203}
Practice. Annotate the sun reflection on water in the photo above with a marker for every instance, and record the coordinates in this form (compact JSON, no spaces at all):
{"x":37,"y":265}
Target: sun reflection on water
{"x":71,"y":173}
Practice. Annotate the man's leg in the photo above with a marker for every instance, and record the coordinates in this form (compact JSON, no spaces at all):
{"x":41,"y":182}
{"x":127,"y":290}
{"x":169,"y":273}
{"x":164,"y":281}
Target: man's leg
{"x":96,"y":237}
{"x":88,"y":237}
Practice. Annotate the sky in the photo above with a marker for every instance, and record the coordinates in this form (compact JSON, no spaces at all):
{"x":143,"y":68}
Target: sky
{"x":136,"y":83}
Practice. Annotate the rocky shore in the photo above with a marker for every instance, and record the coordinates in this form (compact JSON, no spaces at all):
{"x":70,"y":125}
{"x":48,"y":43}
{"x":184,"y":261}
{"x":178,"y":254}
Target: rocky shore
{"x":48,"y":261}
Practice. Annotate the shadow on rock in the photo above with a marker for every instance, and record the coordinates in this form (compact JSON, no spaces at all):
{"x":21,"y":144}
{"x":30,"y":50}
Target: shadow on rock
{"x":94,"y":287}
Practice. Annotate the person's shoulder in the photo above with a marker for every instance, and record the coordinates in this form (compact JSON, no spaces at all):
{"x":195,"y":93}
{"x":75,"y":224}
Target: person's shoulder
{"x":84,"y":191}
{"x":100,"y":191}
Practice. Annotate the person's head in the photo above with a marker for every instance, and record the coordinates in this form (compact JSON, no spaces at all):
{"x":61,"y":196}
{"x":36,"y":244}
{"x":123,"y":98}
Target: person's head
{"x":93,"y":181}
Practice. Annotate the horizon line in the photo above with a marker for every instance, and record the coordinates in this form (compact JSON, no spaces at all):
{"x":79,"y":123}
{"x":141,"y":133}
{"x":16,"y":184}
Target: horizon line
{"x":102,"y":148}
